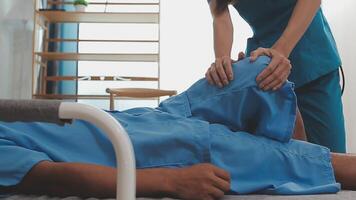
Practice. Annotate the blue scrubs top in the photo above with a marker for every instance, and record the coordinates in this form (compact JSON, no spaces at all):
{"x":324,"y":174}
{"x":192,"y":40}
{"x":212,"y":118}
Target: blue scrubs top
{"x":315,"y":54}
{"x":249,"y":137}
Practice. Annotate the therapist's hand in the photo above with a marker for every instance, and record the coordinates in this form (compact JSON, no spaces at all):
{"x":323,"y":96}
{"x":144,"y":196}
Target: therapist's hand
{"x":220,"y":72}
{"x":276,"y":73}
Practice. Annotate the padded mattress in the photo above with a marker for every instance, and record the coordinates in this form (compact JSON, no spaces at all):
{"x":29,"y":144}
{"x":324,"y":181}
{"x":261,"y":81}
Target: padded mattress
{"x":344,"y":195}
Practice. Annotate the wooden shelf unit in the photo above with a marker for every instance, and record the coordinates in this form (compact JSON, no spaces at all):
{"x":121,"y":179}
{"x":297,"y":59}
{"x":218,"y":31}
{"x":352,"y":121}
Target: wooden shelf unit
{"x":104,"y":3}
{"x":97,"y":40}
{"x":96,"y":17}
{"x":49,"y":56}
{"x":41,"y":55}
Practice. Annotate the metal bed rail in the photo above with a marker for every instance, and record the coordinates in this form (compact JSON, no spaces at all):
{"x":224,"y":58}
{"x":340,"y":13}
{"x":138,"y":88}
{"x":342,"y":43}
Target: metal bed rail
{"x":64,"y":112}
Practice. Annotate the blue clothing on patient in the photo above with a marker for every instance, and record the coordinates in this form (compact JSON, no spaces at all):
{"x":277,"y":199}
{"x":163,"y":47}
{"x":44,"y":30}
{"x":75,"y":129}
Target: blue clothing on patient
{"x":241,"y":105}
{"x":249,"y":136}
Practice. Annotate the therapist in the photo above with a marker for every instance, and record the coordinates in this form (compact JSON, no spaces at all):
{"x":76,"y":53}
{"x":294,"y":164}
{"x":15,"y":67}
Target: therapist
{"x":296,"y":35}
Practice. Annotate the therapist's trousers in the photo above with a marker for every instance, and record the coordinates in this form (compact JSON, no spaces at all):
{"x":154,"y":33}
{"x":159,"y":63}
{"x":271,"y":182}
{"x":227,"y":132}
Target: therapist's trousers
{"x":321,"y":107}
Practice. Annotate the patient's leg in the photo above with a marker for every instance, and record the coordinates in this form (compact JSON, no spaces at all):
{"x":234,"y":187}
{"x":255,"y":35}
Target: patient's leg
{"x":203,"y":181}
{"x":345,"y":170}
{"x":344,"y":164}
{"x":299,"y":130}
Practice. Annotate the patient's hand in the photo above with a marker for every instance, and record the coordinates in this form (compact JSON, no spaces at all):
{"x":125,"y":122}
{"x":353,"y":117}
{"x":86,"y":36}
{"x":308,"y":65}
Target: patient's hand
{"x":200,"y":182}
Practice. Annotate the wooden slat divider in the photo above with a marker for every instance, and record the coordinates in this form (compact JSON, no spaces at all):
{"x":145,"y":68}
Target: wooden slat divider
{"x":100,"y":78}
{"x":103,"y":3}
{"x":95,"y":17}
{"x":96,"y":40}
{"x":99,"y":57}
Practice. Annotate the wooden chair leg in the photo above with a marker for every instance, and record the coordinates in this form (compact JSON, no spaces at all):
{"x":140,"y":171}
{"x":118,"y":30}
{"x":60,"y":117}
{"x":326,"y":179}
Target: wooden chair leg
{"x":112,"y":102}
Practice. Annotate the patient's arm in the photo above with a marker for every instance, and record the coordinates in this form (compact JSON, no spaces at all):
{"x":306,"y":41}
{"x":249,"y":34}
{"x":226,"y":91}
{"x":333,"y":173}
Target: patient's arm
{"x":202,"y":181}
{"x":299,"y":130}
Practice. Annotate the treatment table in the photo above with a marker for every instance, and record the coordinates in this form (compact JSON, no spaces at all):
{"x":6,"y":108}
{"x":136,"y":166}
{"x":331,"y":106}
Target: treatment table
{"x":64,"y":112}
{"x":344,"y":195}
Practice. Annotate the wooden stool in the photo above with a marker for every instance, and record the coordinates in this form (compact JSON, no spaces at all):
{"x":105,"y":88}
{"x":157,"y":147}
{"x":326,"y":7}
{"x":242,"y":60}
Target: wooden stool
{"x":137,"y":93}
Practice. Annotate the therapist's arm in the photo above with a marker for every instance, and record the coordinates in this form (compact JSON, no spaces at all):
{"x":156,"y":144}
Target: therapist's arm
{"x":220,"y":72}
{"x":203,"y":181}
{"x":274,"y":76}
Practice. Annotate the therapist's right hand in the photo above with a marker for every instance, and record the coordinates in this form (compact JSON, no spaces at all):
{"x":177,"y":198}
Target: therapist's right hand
{"x":220,"y":72}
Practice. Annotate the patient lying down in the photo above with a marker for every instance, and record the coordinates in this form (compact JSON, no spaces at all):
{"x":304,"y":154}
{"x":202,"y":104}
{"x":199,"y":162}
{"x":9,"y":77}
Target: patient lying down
{"x":197,"y":145}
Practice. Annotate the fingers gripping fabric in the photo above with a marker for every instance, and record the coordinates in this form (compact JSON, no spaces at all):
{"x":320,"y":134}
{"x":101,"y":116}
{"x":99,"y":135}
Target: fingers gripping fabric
{"x":30,"y":111}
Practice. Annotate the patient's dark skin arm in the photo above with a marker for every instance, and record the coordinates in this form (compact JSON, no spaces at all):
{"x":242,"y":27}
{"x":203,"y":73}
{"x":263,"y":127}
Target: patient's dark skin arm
{"x":203,"y":181}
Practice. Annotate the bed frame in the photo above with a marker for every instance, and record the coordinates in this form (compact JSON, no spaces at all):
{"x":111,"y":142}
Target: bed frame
{"x":64,"y":112}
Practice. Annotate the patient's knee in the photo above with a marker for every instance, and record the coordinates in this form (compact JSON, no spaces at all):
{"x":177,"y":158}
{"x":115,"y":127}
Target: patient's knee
{"x":246,"y":71}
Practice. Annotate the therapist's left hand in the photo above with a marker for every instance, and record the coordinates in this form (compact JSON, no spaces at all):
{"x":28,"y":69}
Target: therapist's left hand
{"x":276,"y":73}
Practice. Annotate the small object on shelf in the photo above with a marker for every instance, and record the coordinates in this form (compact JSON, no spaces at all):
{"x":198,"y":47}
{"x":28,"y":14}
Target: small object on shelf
{"x":80,"y":5}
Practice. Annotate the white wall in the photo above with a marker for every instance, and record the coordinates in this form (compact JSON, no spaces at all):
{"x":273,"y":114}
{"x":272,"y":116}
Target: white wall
{"x":186,"y":49}
{"x":187,"y":45}
{"x":16,"y":22}
{"x":341,"y":17}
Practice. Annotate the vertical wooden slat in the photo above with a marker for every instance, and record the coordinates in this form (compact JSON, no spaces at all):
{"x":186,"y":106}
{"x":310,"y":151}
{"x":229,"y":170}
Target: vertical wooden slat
{"x":45,"y":47}
{"x":159,"y":47}
{"x":34,"y":46}
{"x":112,"y":101}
